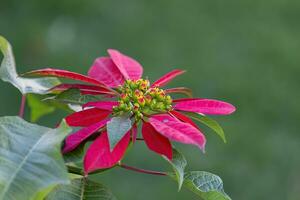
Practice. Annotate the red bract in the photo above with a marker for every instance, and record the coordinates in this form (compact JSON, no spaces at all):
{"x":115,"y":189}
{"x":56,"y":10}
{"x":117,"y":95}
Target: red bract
{"x":119,"y":77}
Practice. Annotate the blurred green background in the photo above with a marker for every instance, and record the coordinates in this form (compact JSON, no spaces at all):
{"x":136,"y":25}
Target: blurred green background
{"x":244,"y":52}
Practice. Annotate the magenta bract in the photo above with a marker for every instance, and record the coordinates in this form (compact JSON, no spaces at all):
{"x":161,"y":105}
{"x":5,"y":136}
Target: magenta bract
{"x":178,"y":131}
{"x":156,"y":141}
{"x":105,"y":78}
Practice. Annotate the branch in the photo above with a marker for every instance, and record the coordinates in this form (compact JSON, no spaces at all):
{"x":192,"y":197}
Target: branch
{"x":22,"y":106}
{"x":144,"y":171}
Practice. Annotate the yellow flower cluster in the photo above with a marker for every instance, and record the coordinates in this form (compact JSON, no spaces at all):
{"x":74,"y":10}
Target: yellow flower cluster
{"x":139,"y":99}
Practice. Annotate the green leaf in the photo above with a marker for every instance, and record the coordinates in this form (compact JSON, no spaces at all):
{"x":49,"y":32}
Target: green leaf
{"x":210,"y":123}
{"x":30,"y":158}
{"x":41,"y":194}
{"x":8,"y":73}
{"x":75,"y":156}
{"x":38,"y":107}
{"x":74,"y":96}
{"x":80,"y":189}
{"x":208,"y":186}
{"x":117,"y":127}
{"x":178,"y":163}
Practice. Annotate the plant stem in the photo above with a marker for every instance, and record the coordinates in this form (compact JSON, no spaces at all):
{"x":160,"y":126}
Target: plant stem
{"x":138,"y":139}
{"x":143,"y":170}
{"x":75,"y":170}
{"x":22,"y":106}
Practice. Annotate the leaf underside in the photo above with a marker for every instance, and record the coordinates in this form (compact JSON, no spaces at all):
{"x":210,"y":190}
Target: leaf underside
{"x":117,"y":127}
{"x":8,"y":73}
{"x":178,"y":164}
{"x":208,"y":186}
{"x":210,"y":123}
{"x":74,"y":96}
{"x":80,"y":189}
{"x":29,"y":160}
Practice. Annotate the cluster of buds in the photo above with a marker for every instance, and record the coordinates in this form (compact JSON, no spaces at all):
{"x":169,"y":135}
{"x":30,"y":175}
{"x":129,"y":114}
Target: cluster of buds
{"x":139,"y":99}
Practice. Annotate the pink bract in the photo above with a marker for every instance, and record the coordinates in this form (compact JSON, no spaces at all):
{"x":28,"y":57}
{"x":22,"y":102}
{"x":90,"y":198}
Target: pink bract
{"x":75,"y":139}
{"x":205,"y":106}
{"x":99,"y":156}
{"x":167,"y":78}
{"x":87,"y":117}
{"x":103,"y":105}
{"x":178,"y":131}
{"x":104,"y":78}
{"x":130,"y":68}
{"x":156,"y":141}
{"x":105,"y":70}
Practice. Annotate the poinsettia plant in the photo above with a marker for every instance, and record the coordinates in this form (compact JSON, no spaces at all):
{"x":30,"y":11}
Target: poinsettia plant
{"x":112,"y":107}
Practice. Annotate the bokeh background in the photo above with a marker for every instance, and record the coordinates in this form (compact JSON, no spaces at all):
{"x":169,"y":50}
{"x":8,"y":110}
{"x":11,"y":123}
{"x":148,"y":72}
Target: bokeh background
{"x":244,"y":52}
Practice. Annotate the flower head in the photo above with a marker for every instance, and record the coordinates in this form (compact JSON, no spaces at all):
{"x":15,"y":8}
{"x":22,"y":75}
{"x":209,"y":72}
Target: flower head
{"x":119,"y":77}
{"x":138,"y":99}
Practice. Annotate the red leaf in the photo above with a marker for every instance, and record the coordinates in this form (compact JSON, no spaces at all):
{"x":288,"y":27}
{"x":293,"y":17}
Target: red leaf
{"x":103,"y":105}
{"x":87,"y":117}
{"x":86,"y":89}
{"x":184,"y":99}
{"x":65,"y":74}
{"x":129,"y":67}
{"x":99,"y":156}
{"x":180,"y":90}
{"x":75,"y":139}
{"x":105,"y":71}
{"x":178,"y":131}
{"x":205,"y":106}
{"x":184,"y":118}
{"x":156,"y":142}
{"x":167,"y":78}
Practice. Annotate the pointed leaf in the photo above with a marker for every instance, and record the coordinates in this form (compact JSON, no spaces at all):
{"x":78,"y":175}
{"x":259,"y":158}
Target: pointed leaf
{"x":178,"y":164}
{"x":210,"y":123}
{"x":117,"y":127}
{"x":75,"y":139}
{"x":30,"y":158}
{"x":180,"y":90}
{"x":156,"y":142}
{"x":104,"y":105}
{"x":64,"y":74}
{"x":208,"y":186}
{"x":165,"y":79}
{"x":84,"y":89}
{"x":79,"y":189}
{"x":76,"y":156}
{"x":41,"y":105}
{"x":73,"y":96}
{"x":105,"y":70}
{"x":129,"y":67}
{"x":9,"y":74}
{"x":41,"y":195}
{"x":177,"y":130}
{"x":87,"y":117}
{"x":205,"y":106}
{"x":183,"y":118}
{"x":99,"y":156}
{"x":38,"y":108}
